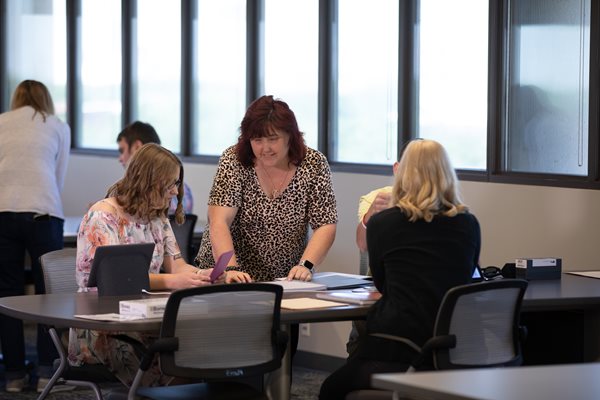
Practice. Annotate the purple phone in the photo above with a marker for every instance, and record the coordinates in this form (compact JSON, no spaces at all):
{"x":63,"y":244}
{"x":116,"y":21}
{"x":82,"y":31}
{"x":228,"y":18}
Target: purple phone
{"x":220,"y":265}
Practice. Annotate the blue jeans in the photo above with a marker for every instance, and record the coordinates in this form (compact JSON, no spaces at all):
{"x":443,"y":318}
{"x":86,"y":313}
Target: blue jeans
{"x":20,"y":232}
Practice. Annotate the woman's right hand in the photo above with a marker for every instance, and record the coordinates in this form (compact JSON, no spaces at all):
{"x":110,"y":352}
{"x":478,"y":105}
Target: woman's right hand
{"x":237,"y":277}
{"x":187,"y":279}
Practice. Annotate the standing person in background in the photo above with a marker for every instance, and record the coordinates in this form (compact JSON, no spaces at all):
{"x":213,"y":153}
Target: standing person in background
{"x":425,"y":244}
{"x":131,"y":139}
{"x":34,"y":151}
{"x":268,"y":189}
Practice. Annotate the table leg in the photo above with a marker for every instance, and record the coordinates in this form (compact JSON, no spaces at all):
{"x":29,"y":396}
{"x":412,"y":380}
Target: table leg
{"x":61,"y":369}
{"x":279,"y":381}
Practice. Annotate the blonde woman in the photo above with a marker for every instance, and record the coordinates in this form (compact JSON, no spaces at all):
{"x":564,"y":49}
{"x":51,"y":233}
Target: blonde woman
{"x":134,"y":211}
{"x":425,"y":244}
{"x":34,"y":150}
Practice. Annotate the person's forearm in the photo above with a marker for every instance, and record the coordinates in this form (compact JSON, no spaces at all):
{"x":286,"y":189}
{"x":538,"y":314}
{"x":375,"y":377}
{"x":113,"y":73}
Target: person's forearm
{"x":221,"y":241}
{"x":159,"y":281}
{"x":319,"y":244}
{"x":361,"y":237}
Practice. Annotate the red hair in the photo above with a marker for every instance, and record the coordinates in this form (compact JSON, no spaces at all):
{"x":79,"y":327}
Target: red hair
{"x":265,"y":116}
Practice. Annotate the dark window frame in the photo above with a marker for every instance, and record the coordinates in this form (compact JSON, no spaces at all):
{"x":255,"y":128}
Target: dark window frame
{"x":327,"y":102}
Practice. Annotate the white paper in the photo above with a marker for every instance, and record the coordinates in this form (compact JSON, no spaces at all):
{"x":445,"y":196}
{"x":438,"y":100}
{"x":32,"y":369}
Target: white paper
{"x":305,"y":303}
{"x":153,"y":293}
{"x":110,"y":317}
{"x":589,"y":274}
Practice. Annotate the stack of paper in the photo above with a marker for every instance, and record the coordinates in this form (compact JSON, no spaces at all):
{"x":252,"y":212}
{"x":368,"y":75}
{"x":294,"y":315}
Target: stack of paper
{"x":298,"y":286}
{"x":362,"y":298}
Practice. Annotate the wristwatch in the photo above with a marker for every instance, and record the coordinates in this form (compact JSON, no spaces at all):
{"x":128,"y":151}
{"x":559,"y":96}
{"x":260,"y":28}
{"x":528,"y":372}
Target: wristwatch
{"x":306,"y":264}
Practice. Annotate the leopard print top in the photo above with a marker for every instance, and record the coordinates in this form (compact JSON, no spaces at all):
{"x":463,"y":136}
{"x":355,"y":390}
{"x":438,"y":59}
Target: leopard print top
{"x":269,"y":235}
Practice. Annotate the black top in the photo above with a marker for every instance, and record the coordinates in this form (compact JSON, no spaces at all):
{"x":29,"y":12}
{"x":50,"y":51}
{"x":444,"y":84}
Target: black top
{"x":413,"y":265}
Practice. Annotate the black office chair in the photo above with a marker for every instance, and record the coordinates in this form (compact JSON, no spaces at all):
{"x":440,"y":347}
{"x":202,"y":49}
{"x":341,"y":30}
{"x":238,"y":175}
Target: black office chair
{"x":58,"y":269}
{"x":217,"y":334}
{"x":184,"y":234}
{"x":477,"y":326}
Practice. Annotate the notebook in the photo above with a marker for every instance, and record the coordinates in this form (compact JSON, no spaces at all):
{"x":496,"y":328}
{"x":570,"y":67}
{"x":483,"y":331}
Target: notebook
{"x":220,"y":265}
{"x":122,"y":269}
{"x":334,"y":280}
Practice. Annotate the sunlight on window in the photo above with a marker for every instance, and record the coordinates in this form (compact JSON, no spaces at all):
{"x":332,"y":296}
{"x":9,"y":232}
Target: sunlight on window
{"x":548,"y":96}
{"x":100,"y":73}
{"x":367,"y":127}
{"x":453,"y":78}
{"x":291,"y":59}
{"x":221,"y":80}
{"x":36,"y":47}
{"x":159,"y":69}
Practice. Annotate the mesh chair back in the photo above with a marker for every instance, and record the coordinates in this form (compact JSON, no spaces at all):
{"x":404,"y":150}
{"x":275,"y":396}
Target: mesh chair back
{"x":484,"y":318}
{"x":58,"y":268}
{"x":223,"y":331}
{"x":184,"y":234}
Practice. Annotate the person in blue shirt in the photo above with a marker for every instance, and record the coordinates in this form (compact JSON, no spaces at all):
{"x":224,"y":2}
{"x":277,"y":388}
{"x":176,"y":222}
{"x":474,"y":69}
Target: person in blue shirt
{"x":131,"y":139}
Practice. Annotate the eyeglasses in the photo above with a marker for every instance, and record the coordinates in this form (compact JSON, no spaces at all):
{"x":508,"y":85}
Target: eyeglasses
{"x":174,"y":185}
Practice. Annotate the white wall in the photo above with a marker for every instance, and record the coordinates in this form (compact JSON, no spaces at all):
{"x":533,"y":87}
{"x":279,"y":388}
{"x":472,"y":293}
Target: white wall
{"x":516,"y":221}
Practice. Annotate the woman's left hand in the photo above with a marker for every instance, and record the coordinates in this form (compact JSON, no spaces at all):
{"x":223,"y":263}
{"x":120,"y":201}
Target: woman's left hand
{"x":300,"y":273}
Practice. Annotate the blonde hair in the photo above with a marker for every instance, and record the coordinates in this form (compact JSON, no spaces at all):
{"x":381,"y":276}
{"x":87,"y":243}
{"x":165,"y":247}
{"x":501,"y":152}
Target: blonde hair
{"x":141,"y":192}
{"x":34,"y":94}
{"x":425,"y":184}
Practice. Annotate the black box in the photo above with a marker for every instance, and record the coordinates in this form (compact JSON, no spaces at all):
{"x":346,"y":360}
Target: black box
{"x":538,"y":268}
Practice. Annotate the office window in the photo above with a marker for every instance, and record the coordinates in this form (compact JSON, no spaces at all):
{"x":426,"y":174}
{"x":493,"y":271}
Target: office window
{"x":546,"y":127}
{"x":367,"y":99}
{"x":291,"y":59}
{"x":159,"y":69}
{"x":100,"y":73}
{"x":36,"y":47}
{"x":452,"y":71}
{"x":220,"y":83}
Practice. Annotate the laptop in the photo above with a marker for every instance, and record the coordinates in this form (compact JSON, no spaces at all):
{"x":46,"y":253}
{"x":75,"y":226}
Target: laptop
{"x":122,"y":269}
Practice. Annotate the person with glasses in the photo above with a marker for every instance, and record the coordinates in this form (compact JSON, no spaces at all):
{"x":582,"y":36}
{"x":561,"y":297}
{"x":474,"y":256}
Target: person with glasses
{"x":269,"y":189}
{"x":134,"y":211}
{"x":424,"y":244}
{"x":34,"y":152}
{"x":131,"y":139}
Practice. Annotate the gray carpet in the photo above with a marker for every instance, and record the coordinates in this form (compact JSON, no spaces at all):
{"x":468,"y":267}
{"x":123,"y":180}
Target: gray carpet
{"x":305,"y":382}
{"x":305,"y":386}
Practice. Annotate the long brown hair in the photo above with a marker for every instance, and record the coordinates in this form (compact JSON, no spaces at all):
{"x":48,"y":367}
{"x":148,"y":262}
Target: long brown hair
{"x":34,"y":94}
{"x":141,"y":191}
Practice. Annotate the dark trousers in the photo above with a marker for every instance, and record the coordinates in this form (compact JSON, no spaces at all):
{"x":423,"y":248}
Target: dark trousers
{"x":355,"y":375}
{"x":20,"y":232}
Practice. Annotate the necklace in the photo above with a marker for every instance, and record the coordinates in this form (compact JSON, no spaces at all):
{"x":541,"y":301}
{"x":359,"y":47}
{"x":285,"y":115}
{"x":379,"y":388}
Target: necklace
{"x":276,"y":190}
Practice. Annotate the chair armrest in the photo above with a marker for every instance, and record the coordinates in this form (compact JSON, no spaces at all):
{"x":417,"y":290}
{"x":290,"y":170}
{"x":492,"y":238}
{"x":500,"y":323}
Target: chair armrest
{"x":435,"y":343}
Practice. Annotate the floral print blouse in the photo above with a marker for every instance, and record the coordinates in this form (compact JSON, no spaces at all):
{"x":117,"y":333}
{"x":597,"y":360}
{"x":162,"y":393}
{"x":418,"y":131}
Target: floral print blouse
{"x":100,"y":228}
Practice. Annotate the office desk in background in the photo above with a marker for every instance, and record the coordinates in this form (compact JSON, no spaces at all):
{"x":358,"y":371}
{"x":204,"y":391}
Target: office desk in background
{"x":71,"y":228}
{"x":556,"y":382}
